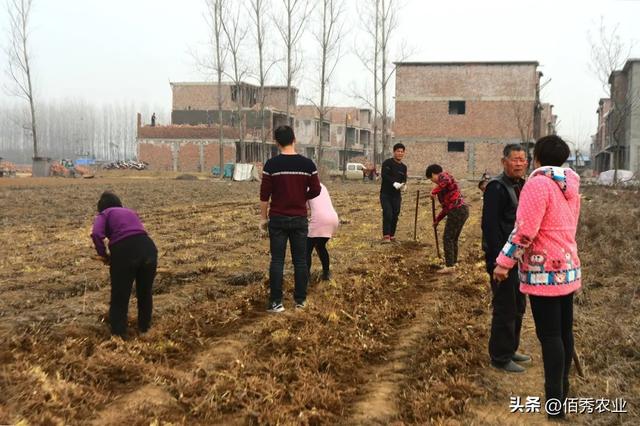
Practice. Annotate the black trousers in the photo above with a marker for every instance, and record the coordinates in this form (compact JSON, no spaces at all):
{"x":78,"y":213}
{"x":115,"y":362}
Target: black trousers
{"x":455,"y":221}
{"x":390,"y":212}
{"x":132,"y":259}
{"x":509,"y":305}
{"x":283,"y":229}
{"x":320,"y":244}
{"x":554,"y":326}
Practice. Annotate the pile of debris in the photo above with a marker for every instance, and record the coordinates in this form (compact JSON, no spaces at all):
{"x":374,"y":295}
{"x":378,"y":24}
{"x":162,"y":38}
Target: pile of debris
{"x":125,"y":165}
{"x":66,"y":168}
{"x":7,"y":169}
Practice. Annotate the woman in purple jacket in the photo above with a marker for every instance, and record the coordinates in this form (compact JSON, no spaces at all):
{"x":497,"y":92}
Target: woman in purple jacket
{"x":132,"y":256}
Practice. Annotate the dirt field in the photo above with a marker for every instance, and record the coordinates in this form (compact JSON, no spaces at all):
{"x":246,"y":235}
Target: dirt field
{"x":385,"y":342}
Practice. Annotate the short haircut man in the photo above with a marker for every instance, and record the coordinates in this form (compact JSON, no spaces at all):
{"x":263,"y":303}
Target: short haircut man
{"x":289,"y":180}
{"x":394,"y":179}
{"x":284,"y":135}
{"x":399,"y":146}
{"x":500,"y":203}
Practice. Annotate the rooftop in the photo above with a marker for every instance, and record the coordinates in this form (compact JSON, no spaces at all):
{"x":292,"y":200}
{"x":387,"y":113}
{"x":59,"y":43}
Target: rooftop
{"x":435,"y":64}
{"x":224,"y":83}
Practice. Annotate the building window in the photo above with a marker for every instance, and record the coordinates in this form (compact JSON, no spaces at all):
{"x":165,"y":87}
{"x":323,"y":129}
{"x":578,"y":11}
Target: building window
{"x":457,"y":107}
{"x":455,"y":146}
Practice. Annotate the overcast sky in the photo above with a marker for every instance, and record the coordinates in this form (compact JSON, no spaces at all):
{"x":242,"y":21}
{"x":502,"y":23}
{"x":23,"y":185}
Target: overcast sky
{"x":129,"y":50}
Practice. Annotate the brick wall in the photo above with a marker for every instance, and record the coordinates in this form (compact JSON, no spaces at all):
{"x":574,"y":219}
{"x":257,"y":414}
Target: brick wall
{"x":189,"y":157}
{"x":200,"y":96}
{"x":212,"y":155}
{"x":185,"y":132}
{"x":158,"y":155}
{"x":492,"y":94}
{"x":495,"y":119}
{"x":276,"y":98}
{"x":204,"y":96}
{"x":162,"y":155}
{"x":477,"y":157}
{"x":467,"y":81}
{"x":488,"y":155}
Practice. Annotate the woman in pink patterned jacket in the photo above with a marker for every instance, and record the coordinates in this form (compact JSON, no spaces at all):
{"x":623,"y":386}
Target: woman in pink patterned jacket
{"x":543,"y":244}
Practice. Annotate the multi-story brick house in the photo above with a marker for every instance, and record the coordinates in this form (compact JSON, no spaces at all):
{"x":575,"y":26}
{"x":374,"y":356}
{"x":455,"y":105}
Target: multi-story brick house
{"x":347,"y":134}
{"x":547,"y":120}
{"x":461,"y":114}
{"x":599,"y":157}
{"x":192,"y":141}
{"x":619,"y":122}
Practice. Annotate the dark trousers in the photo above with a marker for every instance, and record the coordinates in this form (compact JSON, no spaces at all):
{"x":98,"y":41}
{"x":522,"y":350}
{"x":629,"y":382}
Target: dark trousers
{"x":294,"y":230}
{"x":455,"y":221}
{"x":554,"y":326}
{"x":134,"y":258}
{"x":390,"y":212}
{"x":320,"y":244}
{"x":509,"y":305}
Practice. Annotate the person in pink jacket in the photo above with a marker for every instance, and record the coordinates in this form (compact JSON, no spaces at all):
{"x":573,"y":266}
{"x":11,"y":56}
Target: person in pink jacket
{"x":543,"y":244}
{"x":322,"y":225}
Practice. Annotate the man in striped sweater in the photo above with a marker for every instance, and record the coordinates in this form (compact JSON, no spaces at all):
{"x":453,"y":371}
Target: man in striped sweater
{"x":288,"y":181}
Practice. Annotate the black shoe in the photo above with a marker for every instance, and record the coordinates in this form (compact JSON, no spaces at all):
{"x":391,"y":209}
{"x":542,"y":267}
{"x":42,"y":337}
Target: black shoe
{"x":510,"y":367}
{"x":275,"y":307}
{"x":301,"y":305}
{"x":326,"y":276}
{"x":518,"y":357}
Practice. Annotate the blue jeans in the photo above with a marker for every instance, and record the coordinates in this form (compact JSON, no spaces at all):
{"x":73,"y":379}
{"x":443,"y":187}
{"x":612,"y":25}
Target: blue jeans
{"x":294,"y":229}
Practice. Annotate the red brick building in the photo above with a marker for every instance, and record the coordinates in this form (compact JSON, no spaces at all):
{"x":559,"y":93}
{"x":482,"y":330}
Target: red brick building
{"x":191,"y":142}
{"x":354,"y":124}
{"x":461,"y":114}
{"x":602,"y":139}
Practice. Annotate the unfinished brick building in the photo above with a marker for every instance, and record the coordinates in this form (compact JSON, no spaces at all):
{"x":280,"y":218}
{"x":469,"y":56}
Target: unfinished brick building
{"x":599,"y":156}
{"x":617,"y":140}
{"x":354,"y":124}
{"x":547,"y":120}
{"x":191,"y":142}
{"x":184,"y":148}
{"x":461,"y":114}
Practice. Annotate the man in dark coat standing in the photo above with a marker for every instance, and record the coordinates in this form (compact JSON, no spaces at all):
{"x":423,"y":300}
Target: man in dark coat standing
{"x":500,"y":204}
{"x":394,"y":180}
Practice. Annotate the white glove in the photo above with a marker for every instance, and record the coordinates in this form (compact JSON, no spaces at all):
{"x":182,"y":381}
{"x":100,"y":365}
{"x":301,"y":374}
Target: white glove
{"x":397,"y":185}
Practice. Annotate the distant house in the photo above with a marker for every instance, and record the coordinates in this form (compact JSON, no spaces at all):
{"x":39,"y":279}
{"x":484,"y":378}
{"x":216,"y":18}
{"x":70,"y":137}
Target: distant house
{"x":462,"y":114}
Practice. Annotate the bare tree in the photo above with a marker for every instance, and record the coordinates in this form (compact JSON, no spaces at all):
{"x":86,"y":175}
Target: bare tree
{"x":388,"y":25}
{"x":216,"y":63}
{"x":18,"y":53}
{"x":329,"y":37}
{"x":523,"y":114}
{"x":380,"y":21}
{"x":235,"y":32}
{"x":369,"y":13}
{"x":258,"y":11}
{"x":609,"y":53}
{"x":291,"y":28}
